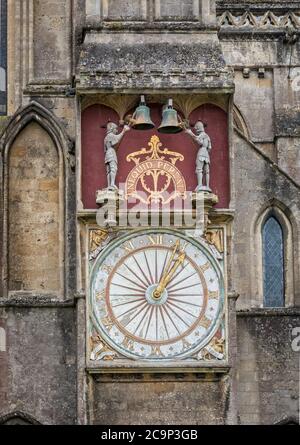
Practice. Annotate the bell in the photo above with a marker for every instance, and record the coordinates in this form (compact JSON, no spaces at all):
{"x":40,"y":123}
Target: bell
{"x":141,"y":119}
{"x":170,"y":123}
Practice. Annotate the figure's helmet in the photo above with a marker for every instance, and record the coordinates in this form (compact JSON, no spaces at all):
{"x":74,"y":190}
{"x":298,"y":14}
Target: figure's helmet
{"x":199,"y":126}
{"x":111,"y":127}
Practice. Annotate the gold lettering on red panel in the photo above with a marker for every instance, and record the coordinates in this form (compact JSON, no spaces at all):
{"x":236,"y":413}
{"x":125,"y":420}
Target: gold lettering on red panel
{"x":155,"y":177}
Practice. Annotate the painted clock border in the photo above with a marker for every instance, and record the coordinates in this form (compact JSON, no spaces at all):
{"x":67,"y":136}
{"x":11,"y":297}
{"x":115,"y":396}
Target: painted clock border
{"x":113,"y":357}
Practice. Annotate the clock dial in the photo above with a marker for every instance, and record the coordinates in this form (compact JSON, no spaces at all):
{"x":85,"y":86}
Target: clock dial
{"x":156,"y":295}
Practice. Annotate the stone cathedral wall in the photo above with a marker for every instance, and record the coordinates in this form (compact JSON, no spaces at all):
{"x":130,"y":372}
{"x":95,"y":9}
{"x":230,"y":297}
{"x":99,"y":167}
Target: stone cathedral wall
{"x":42,"y":302}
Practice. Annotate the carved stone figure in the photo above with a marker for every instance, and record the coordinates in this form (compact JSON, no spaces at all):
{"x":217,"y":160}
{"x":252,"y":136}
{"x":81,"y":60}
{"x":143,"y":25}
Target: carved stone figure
{"x":111,"y":142}
{"x":203,"y":158}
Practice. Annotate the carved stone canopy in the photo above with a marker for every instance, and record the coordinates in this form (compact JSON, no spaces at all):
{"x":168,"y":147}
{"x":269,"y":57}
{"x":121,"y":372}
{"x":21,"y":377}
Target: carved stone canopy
{"x":152,"y":62}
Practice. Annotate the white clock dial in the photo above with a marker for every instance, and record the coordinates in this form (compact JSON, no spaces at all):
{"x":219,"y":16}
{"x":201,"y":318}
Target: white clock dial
{"x":156,"y":295}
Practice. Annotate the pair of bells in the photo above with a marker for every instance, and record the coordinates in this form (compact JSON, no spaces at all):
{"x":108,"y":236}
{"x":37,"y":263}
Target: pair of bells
{"x":141,"y":119}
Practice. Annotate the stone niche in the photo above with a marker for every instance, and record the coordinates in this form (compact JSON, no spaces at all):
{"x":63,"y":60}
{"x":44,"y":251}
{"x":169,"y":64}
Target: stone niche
{"x":124,"y":10}
{"x":170,"y":9}
{"x":34,"y":214}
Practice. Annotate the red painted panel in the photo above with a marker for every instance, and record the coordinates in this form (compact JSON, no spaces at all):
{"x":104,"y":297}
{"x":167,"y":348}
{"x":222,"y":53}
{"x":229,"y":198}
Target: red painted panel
{"x":93,"y":168}
{"x":217,"y":128}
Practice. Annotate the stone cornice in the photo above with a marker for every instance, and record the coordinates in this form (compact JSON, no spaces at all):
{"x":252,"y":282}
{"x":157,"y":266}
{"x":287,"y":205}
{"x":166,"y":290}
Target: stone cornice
{"x":269,"y":312}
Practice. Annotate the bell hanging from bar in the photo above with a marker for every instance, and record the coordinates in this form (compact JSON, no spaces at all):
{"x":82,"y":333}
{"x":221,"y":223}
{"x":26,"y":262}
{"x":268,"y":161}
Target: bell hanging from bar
{"x":170,"y":122}
{"x":141,"y":119}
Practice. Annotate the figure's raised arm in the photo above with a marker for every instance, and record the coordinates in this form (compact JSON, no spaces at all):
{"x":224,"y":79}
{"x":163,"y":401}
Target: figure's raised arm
{"x":116,"y":138}
{"x":192,"y":134}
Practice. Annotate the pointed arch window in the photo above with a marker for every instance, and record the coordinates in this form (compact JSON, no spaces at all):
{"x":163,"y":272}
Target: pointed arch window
{"x":273,"y":263}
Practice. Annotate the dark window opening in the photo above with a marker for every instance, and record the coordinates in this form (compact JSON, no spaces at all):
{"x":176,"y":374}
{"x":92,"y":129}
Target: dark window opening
{"x":273,"y":263}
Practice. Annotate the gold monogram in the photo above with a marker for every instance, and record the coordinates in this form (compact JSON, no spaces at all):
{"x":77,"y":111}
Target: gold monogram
{"x":155,"y":177}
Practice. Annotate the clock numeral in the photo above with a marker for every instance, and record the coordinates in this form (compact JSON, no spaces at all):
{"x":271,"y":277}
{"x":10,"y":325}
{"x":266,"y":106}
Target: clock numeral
{"x":107,"y":268}
{"x":107,"y":323}
{"x":156,"y":351}
{"x":205,"y":322}
{"x":101,"y":295}
{"x":128,"y":344}
{"x":213,"y":295}
{"x":129,"y":246}
{"x":204,"y":267}
{"x":156,"y":239}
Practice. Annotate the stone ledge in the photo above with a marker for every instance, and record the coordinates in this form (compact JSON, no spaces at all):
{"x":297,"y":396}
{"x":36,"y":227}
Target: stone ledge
{"x":144,"y":26}
{"x":269,"y":312}
{"x":145,"y":377}
{"x":35,"y":301}
{"x":157,"y":369}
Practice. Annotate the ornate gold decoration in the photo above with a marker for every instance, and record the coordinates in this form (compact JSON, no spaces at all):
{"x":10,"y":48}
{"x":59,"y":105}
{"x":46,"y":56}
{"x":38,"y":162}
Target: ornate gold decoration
{"x":215,"y":350}
{"x":151,"y":166}
{"x":96,"y":238}
{"x":100,"y":350}
{"x":215,"y":237}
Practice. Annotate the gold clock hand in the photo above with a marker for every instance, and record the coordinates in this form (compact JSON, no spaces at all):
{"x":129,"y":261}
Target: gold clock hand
{"x":169,"y":271}
{"x":160,"y":288}
{"x":169,"y":276}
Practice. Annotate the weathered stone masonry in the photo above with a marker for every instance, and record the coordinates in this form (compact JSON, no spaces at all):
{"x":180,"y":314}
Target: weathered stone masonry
{"x":64,"y":56}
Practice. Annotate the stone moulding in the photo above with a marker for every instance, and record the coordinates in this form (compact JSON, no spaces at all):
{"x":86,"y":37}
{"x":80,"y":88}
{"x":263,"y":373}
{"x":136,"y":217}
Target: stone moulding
{"x":259,"y":20}
{"x":35,"y":112}
{"x":269,"y":312}
{"x":18,"y":418}
{"x":127,"y":81}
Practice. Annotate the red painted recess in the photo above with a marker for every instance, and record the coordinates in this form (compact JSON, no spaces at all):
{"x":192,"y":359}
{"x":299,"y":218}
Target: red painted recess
{"x":94,"y":119}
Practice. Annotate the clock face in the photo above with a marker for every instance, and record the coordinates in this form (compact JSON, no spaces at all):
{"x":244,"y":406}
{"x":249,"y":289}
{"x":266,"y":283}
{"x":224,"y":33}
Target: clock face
{"x":156,"y":295}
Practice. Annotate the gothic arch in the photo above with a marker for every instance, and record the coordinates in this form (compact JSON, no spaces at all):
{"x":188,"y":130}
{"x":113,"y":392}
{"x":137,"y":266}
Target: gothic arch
{"x":240,"y":122}
{"x":38,"y":114}
{"x":18,"y":418}
{"x":287,"y":222}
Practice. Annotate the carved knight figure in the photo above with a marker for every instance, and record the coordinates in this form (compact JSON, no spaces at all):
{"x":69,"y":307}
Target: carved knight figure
{"x":203,"y":158}
{"x":111,"y":142}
